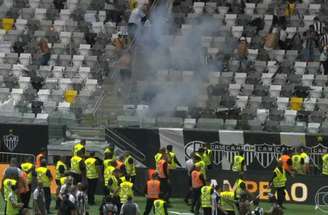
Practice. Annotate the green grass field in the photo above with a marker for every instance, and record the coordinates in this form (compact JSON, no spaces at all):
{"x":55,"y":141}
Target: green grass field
{"x":179,"y":206}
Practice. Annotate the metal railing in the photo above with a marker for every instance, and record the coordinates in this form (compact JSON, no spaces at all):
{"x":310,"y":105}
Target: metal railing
{"x":5,"y":157}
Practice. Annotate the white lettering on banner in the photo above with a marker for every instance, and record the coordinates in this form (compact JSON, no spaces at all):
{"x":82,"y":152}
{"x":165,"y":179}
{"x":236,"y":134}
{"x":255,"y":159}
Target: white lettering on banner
{"x":304,"y":192}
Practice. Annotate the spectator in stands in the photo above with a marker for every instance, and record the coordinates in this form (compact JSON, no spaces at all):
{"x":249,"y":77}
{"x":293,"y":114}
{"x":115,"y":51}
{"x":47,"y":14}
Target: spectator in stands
{"x":137,"y":18}
{"x":290,"y":9}
{"x":324,"y":60}
{"x":319,"y":27}
{"x":309,"y":43}
{"x":59,"y":4}
{"x":243,"y":49}
{"x":271,"y":40}
{"x":283,"y":38}
{"x":323,"y":41}
{"x":45,"y":52}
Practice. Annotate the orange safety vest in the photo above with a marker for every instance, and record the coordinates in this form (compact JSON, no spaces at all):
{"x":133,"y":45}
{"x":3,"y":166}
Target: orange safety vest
{"x":195,"y":179}
{"x":284,"y":159}
{"x":38,"y":159}
{"x":160,"y":168}
{"x":153,"y":189}
{"x":22,"y":183}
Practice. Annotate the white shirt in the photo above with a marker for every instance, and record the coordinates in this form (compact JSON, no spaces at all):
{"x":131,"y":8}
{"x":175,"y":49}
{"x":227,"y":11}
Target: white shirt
{"x":189,"y":165}
{"x":36,"y":194}
{"x":136,"y":16}
{"x":283,"y":35}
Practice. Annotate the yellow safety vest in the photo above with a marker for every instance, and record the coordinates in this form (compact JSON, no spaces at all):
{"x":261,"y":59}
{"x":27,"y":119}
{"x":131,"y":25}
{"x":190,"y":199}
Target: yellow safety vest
{"x":11,"y":210}
{"x":75,"y":164}
{"x":304,"y":156}
{"x":130,"y":168}
{"x":172,"y":164}
{"x":202,"y":166}
{"x":27,"y":167}
{"x":206,"y":197}
{"x":62,"y":180}
{"x":78,"y":147}
{"x":107,"y":162}
{"x":108,"y":173}
{"x":159,"y":207}
{"x":325,"y":164}
{"x":237,"y":163}
{"x":297,"y":166}
{"x":91,"y":168}
{"x":41,"y":173}
{"x":158,"y":157}
{"x":115,"y":185}
{"x":58,"y":165}
{"x":227,"y":200}
{"x":280,"y":179}
{"x":238,"y":189}
{"x":125,"y":191}
{"x":207,"y":157}
{"x":7,"y":183}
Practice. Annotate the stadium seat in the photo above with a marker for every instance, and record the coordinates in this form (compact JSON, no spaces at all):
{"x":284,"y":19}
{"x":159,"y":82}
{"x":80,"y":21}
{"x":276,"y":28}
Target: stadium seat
{"x":313,"y":128}
{"x":262,"y":115}
{"x":309,"y":104}
{"x":230,"y":124}
{"x":300,"y":67}
{"x":316,"y":91}
{"x":208,"y":123}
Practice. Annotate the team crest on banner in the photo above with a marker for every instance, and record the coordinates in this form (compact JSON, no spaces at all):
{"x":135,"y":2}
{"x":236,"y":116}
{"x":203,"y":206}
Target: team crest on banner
{"x":10,"y":141}
{"x":316,"y":153}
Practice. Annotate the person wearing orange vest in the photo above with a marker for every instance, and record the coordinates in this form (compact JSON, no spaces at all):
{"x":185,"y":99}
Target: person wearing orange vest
{"x":152,"y":191}
{"x":197,"y":182}
{"x":120,"y":165}
{"x":39,"y":157}
{"x":286,"y":161}
{"x":163,"y":173}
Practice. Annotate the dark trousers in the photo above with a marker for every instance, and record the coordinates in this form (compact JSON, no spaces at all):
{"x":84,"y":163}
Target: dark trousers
{"x":77,"y":178}
{"x":47,"y":195}
{"x":207,"y":211}
{"x":325,"y":67}
{"x":195,"y":200}
{"x":280,"y":195}
{"x":149,"y":206}
{"x":166,"y":188}
{"x":92,"y":185}
{"x":57,"y":192}
{"x":189,"y":193}
{"x":25,"y":198}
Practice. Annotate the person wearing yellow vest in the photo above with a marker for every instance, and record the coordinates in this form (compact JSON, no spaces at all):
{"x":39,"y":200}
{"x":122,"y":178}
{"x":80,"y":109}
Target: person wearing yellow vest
{"x":197,"y":182}
{"x":238,"y":164}
{"x":278,"y":183}
{"x":173,"y":161}
{"x":61,"y":168}
{"x":28,"y":168}
{"x":240,"y":186}
{"x":126,"y":189}
{"x":160,"y":206}
{"x":113,"y":185}
{"x":305,"y":160}
{"x":206,"y":198}
{"x":227,"y":200}
{"x":44,"y":176}
{"x":79,"y":146}
{"x":159,"y":155}
{"x":296,"y":164}
{"x":92,"y":174}
{"x":152,"y":191}
{"x":198,"y":162}
{"x":130,"y":168}
{"x":6,"y":188}
{"x":108,"y":173}
{"x":13,"y":206}
{"x":108,"y":159}
{"x":207,"y":156}
{"x":325,"y":164}
{"x":78,"y":167}
{"x":163,"y":173}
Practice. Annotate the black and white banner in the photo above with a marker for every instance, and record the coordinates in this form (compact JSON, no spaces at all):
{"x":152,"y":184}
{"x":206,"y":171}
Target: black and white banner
{"x":261,"y":149}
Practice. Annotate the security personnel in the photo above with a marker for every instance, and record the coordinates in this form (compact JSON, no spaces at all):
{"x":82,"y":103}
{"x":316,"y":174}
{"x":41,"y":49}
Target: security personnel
{"x":61,"y":168}
{"x":278,"y":183}
{"x":130,"y":168}
{"x":297,"y":165}
{"x":159,"y":155}
{"x":238,"y":162}
{"x":201,"y":164}
{"x":109,"y":158}
{"x":77,"y":167}
{"x":113,"y":185}
{"x":39,"y":157}
{"x":108,"y":172}
{"x":240,"y":185}
{"x":13,"y":207}
{"x":152,"y":192}
{"x":126,"y":189}
{"x":207,"y":156}
{"x":325,"y":164}
{"x":197,"y":182}
{"x":44,"y":176}
{"x":28,"y":168}
{"x":8,"y":183}
{"x":120,"y":164}
{"x":80,"y":145}
{"x":160,"y":207}
{"x":163,"y":173}
{"x":92,"y":175}
{"x":227,"y":200}
{"x":173,"y":161}
{"x":305,"y":160}
{"x":286,"y":161}
{"x":206,"y":198}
